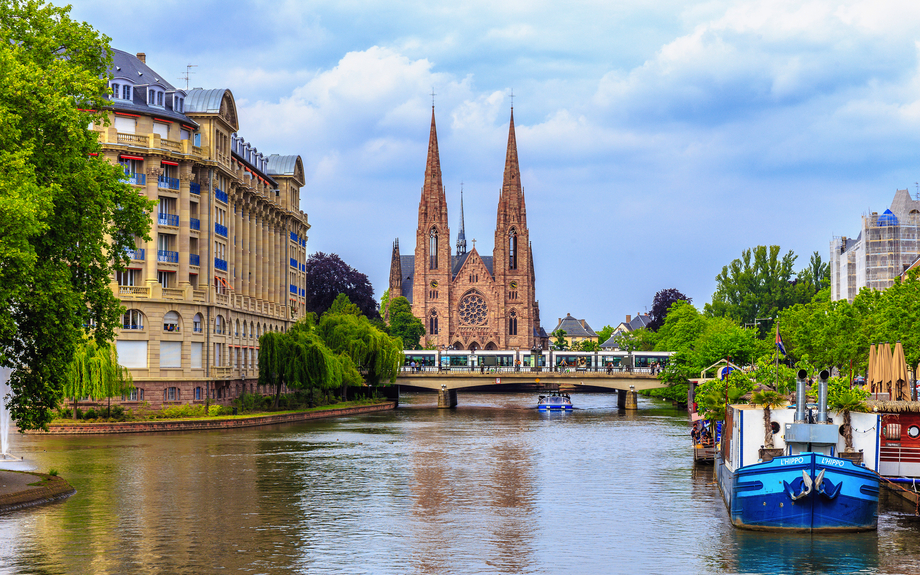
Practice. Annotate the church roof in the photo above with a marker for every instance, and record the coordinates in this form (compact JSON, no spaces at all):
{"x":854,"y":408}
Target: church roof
{"x":407,"y":263}
{"x":458,"y":261}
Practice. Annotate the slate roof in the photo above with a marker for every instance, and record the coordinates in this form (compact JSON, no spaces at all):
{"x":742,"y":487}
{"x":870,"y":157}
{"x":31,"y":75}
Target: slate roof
{"x":573,"y":327}
{"x":609,"y":344}
{"x":127,"y":66}
{"x":641,"y":320}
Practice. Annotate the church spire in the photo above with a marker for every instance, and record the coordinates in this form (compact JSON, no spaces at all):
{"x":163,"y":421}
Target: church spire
{"x":511,"y":202}
{"x":433,"y":205}
{"x":461,"y":236}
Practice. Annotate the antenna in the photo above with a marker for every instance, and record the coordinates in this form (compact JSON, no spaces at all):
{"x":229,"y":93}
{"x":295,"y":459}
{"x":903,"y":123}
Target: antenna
{"x":188,"y":72}
{"x":917,"y":187}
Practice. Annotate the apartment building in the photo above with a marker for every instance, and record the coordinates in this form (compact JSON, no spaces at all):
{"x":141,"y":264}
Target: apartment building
{"x":226,"y":260}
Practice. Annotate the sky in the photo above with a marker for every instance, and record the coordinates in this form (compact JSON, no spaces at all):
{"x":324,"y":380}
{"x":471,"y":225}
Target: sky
{"x":657,"y":139}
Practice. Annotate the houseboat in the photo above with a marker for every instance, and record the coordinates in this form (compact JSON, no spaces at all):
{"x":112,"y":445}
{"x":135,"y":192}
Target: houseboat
{"x":809,"y":481}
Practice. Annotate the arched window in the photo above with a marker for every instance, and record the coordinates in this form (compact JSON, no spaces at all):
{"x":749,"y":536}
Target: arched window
{"x":252,"y":329}
{"x":258,"y":330}
{"x":433,"y":249}
{"x":171,"y":321}
{"x":219,"y":324}
{"x":244,"y":329}
{"x":512,"y":250}
{"x":133,"y":319}
{"x":433,"y":323}
{"x":196,"y":323}
{"x":236,"y":331}
{"x":512,"y":323}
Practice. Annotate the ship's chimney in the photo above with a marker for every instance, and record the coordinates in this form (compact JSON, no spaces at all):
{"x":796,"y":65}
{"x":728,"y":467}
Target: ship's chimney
{"x":142,"y":57}
{"x":800,"y":396}
{"x":822,"y":396}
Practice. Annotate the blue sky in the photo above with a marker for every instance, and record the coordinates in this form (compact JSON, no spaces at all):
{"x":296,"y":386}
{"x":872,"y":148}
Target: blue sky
{"x":657,"y":140}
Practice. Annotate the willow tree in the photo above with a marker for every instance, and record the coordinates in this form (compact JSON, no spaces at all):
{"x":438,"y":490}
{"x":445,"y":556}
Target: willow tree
{"x":94,"y":372}
{"x":273,"y":351}
{"x":372,"y":351}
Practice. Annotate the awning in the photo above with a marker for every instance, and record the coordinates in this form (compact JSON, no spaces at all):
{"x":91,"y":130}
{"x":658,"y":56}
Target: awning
{"x":127,"y":157}
{"x":125,"y":114}
{"x":168,"y":163}
{"x":162,"y":120}
{"x":223,"y":281}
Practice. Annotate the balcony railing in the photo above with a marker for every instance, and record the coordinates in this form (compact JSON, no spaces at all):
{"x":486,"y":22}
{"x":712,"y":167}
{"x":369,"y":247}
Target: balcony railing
{"x":173,"y":293}
{"x":133,"y":291}
{"x":220,"y":264}
{"x":195,"y":188}
{"x":168,"y":220}
{"x":293,"y":236}
{"x":168,"y":256}
{"x":220,"y":230}
{"x":170,"y":183}
{"x":194,"y":260}
{"x":194,"y":224}
{"x":136,"y":254}
{"x":221,"y":195}
{"x":293,"y":263}
{"x":135,"y":179}
{"x":303,"y":292}
{"x":303,"y":267}
{"x":293,"y":289}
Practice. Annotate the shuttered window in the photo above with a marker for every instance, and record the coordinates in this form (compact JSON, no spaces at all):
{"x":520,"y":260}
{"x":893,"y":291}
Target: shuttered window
{"x":197,"y":348}
{"x":170,"y":354}
{"x":132,"y":354}
{"x":125,"y":125}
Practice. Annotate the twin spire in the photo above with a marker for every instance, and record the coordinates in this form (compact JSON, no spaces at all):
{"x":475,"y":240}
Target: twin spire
{"x":433,"y":201}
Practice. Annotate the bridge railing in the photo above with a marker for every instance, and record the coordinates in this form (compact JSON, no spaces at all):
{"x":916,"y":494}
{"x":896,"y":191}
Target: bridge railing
{"x":458,"y":369}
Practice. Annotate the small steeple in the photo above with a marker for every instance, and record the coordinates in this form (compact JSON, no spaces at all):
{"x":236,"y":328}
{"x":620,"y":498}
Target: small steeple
{"x":461,"y":236}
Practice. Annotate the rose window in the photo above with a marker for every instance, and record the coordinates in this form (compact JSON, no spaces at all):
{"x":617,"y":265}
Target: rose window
{"x":473,"y":310}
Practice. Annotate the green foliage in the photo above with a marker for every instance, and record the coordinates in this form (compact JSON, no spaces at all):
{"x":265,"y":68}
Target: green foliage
{"x":676,"y":393}
{"x":604,"y":334}
{"x":638,"y":340}
{"x":559,"y":343}
{"x":586,"y":345}
{"x":53,"y":472}
{"x":66,"y":219}
{"x":713,"y":396}
{"x":768,"y":398}
{"x":366,"y":347}
{"x":408,"y":328}
{"x":94,"y":372}
{"x":342,"y":305}
{"x":842,"y":397}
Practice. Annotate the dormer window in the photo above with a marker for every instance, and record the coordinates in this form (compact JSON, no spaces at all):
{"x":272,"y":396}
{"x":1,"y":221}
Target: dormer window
{"x":126,"y":92}
{"x":155,"y":97}
{"x":178,"y":103}
{"x":121,"y":91}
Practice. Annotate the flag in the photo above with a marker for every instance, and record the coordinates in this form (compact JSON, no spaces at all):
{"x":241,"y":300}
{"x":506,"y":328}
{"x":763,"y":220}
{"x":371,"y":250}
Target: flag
{"x":779,"y":342}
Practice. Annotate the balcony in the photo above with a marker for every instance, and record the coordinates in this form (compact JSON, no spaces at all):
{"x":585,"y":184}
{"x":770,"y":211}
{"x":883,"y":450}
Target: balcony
{"x":135,"y":179}
{"x":136,"y":254}
{"x":293,"y":236}
{"x":168,"y":220}
{"x":220,"y":264}
{"x":168,"y":183}
{"x":220,"y":230}
{"x":293,"y":289}
{"x":194,"y":260}
{"x":195,"y":188}
{"x":194,"y":224}
{"x":173,"y":293}
{"x":293,"y":263}
{"x":133,"y":291}
{"x":221,"y":195}
{"x":167,"y":256}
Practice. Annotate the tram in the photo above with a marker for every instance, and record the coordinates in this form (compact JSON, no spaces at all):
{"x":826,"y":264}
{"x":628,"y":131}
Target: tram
{"x":542,"y":360}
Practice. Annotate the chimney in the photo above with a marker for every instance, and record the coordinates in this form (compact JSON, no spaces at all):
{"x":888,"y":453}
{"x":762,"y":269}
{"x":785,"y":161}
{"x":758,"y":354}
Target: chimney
{"x":142,"y":57}
{"x":582,"y":323}
{"x":628,"y":318}
{"x":560,"y":320}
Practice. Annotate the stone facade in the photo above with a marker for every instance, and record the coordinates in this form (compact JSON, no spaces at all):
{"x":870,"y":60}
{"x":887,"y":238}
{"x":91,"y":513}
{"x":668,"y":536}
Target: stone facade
{"x":225,"y":263}
{"x":466,"y":300}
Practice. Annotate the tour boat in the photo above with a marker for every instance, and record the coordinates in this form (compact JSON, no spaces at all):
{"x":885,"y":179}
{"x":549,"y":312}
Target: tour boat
{"x":555,"y":401}
{"x":807,"y":482}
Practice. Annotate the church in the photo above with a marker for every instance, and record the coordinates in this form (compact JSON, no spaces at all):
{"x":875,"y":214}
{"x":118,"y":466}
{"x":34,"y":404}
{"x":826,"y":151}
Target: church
{"x":467,"y":300}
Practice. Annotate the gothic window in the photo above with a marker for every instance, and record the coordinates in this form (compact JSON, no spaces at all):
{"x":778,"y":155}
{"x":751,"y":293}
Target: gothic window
{"x":512,"y":323}
{"x":433,"y":249}
{"x":512,"y":250}
{"x":433,"y":323}
{"x":473,"y":309}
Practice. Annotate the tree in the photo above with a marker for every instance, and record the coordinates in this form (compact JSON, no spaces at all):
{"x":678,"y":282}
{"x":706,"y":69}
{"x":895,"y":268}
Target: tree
{"x":661,"y":304}
{"x":408,"y":328}
{"x":559,"y":344}
{"x":327,"y":276}
{"x":604,"y":334}
{"x":757,"y":285}
{"x":66,"y":219}
{"x":94,"y":372}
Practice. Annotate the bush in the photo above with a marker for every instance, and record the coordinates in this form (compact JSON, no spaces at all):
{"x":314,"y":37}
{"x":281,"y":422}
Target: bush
{"x":218,"y":410}
{"x":53,"y":472}
{"x":118,"y":413}
{"x":79,"y":413}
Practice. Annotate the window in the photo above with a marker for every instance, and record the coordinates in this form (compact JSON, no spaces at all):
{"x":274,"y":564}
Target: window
{"x":433,"y":249}
{"x":219,"y":324}
{"x":236,"y":331}
{"x":258,"y":330}
{"x":512,"y":323}
{"x":196,"y":353}
{"x":512,"y":250}
{"x":170,"y":354}
{"x":133,"y":319}
{"x":196,"y":323}
{"x":433,"y":324}
{"x":171,"y":394}
{"x":171,"y":321}
{"x":131,"y":167}
{"x":244,"y":329}
{"x":198,"y":140}
{"x":135,"y":395}
{"x":125,"y":125}
{"x":132,"y":354}
{"x":159,"y":98}
{"x":127,"y":277}
{"x":197,"y":394}
{"x":115,"y":90}
{"x":126,"y":92}
{"x":166,"y":279}
{"x":252,"y":329}
{"x":163,"y":131}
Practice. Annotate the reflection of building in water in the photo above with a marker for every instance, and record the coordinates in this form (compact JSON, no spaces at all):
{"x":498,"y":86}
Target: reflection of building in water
{"x":493,"y":505}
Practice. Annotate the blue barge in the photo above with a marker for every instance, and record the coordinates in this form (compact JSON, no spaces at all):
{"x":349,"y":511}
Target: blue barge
{"x":807,"y":482}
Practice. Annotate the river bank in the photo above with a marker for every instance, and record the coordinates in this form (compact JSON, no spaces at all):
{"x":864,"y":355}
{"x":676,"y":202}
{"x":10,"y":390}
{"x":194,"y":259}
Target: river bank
{"x":20,"y":489}
{"x":208,"y":423}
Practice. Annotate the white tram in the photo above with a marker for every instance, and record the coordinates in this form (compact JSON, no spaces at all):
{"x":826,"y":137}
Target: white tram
{"x":543,"y":360}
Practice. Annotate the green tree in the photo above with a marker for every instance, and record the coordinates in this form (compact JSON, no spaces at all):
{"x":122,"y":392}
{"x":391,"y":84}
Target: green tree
{"x":559,"y":344}
{"x":662,"y":303}
{"x":604,"y":334}
{"x":757,"y":285}
{"x":94,"y":372}
{"x":408,"y":328}
{"x":66,"y":219}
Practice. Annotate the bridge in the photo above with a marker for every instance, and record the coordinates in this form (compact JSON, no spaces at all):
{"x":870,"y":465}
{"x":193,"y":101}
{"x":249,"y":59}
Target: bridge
{"x":447,"y":381}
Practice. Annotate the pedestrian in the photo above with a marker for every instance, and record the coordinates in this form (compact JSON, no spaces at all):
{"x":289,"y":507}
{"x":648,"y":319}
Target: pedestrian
{"x":412,"y":365}
{"x":517,"y":365}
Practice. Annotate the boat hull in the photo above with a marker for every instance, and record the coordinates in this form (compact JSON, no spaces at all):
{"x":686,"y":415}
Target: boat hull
{"x":554,"y":407}
{"x":761,"y":496}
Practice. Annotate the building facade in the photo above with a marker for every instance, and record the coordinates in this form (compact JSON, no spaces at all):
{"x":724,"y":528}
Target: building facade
{"x":226,"y":260}
{"x":887,"y":244}
{"x":467,"y":300}
{"x":576,"y":330}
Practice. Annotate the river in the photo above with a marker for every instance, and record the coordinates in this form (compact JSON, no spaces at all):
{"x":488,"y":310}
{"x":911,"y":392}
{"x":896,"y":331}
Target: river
{"x":492,"y":486}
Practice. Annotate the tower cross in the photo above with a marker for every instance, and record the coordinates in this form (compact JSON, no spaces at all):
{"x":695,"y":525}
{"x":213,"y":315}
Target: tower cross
{"x":432,"y":96}
{"x":512,"y":98}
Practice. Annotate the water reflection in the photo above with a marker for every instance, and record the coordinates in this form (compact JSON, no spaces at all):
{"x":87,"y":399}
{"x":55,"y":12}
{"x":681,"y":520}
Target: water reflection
{"x":491,"y":487}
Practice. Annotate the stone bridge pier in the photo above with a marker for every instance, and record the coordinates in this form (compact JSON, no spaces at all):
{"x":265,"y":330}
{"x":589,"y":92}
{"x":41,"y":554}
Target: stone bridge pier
{"x":628,"y":399}
{"x":447,"y":398}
